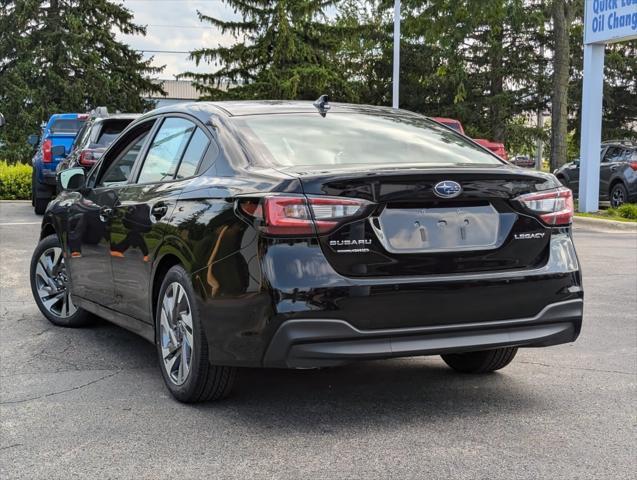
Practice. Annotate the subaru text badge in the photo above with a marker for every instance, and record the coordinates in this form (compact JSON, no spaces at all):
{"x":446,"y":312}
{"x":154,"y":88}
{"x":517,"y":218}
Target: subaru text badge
{"x":447,"y":189}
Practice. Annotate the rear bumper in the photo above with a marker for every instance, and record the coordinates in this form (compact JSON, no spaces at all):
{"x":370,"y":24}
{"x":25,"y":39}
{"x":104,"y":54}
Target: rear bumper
{"x":295,"y":310}
{"x":322,"y":342}
{"x":46,"y":176}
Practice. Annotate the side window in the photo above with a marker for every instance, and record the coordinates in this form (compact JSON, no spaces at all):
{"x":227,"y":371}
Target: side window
{"x":192,"y":156}
{"x":166,"y":150}
{"x":613,"y":154}
{"x":628,"y":155}
{"x":118,"y":172}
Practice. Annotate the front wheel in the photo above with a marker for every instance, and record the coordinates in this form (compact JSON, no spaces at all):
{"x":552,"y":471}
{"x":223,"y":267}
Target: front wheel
{"x":182,"y":347}
{"x":50,"y":285}
{"x":481,"y":362}
{"x":618,"y":195}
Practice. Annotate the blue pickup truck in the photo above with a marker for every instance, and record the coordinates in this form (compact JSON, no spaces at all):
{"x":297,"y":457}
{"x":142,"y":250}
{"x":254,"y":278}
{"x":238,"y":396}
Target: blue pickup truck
{"x":53,"y":145}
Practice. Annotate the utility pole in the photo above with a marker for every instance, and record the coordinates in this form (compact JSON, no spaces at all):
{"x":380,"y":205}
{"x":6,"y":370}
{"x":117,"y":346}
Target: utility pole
{"x":396,"y":74}
{"x":540,"y":114}
{"x":540,"y":143}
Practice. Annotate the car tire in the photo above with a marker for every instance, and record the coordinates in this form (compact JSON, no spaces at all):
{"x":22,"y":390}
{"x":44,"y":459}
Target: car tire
{"x":480,"y":362}
{"x":50,"y":286}
{"x":618,"y":195}
{"x":39,"y":205}
{"x":33,"y":187}
{"x":182,"y":347}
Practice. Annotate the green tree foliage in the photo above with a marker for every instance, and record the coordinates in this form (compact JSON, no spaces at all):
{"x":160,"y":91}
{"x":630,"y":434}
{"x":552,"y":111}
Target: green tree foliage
{"x":62,"y":56}
{"x":477,"y":61}
{"x":488,"y":63}
{"x":285,"y":50}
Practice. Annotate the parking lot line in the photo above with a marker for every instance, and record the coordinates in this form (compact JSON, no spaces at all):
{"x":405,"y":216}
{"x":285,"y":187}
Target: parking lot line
{"x":19,"y":223}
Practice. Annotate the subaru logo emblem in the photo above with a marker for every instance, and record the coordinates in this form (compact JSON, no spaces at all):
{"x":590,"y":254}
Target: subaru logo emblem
{"x":447,"y":189}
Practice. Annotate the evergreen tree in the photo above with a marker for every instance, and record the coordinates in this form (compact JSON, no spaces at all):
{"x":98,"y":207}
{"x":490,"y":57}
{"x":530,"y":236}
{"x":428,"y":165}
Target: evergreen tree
{"x":62,"y":56}
{"x":285,"y":49}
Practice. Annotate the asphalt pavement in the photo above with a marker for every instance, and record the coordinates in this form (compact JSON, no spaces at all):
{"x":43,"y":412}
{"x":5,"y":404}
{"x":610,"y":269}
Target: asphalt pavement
{"x":90,"y":403}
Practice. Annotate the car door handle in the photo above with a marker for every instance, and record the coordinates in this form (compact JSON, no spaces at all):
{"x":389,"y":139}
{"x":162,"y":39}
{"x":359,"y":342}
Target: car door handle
{"x":159,"y":211}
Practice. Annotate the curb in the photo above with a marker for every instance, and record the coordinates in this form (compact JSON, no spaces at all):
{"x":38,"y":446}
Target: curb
{"x":15,"y":201}
{"x":602,"y":225}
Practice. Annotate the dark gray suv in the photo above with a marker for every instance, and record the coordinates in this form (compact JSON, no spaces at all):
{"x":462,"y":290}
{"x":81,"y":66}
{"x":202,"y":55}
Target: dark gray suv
{"x":617,"y":176}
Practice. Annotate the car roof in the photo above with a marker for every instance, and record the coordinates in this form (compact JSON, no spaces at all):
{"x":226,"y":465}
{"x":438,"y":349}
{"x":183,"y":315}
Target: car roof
{"x":118,"y":116}
{"x":203,"y":110}
{"x":620,"y":143}
{"x":66,"y":116}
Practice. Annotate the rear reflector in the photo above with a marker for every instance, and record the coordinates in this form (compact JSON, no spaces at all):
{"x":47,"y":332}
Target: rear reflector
{"x":554,"y":207}
{"x":300,"y":215}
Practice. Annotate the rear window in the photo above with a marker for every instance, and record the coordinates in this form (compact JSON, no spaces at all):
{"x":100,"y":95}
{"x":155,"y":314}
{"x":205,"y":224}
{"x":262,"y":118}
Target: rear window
{"x":63,"y":125}
{"x":110,"y":131}
{"x":344,"y":138}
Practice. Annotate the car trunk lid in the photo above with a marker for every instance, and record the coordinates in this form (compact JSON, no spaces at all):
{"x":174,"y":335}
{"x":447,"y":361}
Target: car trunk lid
{"x":413,"y":230}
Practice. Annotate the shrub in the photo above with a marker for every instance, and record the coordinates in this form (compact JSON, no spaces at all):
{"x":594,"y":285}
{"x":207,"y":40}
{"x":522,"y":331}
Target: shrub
{"x":15,"y":181}
{"x":627,"y":210}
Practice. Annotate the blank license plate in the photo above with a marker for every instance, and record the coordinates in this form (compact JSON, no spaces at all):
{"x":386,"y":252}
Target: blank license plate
{"x":413,"y":230}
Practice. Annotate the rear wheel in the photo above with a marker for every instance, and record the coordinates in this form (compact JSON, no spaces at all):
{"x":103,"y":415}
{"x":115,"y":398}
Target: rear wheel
{"x":182,"y":346}
{"x":480,"y":362}
{"x":33,"y":187}
{"x":39,"y":205}
{"x":50,"y":285}
{"x":618,"y":195}
{"x":40,"y":195}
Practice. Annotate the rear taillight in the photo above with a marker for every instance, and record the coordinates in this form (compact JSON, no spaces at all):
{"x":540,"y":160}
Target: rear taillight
{"x":633,"y":165}
{"x":46,"y":151}
{"x":554,"y":207}
{"x":300,"y":215}
{"x":87,"y":158}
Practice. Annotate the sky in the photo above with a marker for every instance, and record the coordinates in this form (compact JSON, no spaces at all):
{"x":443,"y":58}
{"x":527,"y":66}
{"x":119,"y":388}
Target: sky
{"x":173,"y":25}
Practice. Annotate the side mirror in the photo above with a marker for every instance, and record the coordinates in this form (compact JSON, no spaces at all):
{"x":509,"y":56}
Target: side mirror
{"x":58,"y":151}
{"x":33,"y":139}
{"x":3,"y":122}
{"x":71,"y":179}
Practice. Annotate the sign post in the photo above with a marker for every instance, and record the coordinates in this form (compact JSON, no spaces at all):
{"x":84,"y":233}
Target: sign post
{"x":396,"y":73}
{"x":605,"y":21}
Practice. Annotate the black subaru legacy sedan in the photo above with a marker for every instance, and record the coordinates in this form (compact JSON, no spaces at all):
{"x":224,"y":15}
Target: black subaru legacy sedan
{"x":305,"y":235}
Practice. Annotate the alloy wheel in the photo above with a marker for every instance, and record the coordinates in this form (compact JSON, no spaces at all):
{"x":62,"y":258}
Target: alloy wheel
{"x":617,"y":197}
{"x":176,"y":335}
{"x":52,"y":283}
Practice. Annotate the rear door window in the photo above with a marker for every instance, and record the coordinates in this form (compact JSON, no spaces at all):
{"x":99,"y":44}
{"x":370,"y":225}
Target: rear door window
{"x":193,"y":154}
{"x":613,"y":154}
{"x":165,"y":152}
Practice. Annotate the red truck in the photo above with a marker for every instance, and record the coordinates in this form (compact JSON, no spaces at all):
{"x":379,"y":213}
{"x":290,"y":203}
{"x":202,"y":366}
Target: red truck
{"x":495,"y":147}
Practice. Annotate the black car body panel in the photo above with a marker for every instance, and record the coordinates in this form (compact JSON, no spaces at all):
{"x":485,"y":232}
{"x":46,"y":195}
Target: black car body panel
{"x":271,"y":300}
